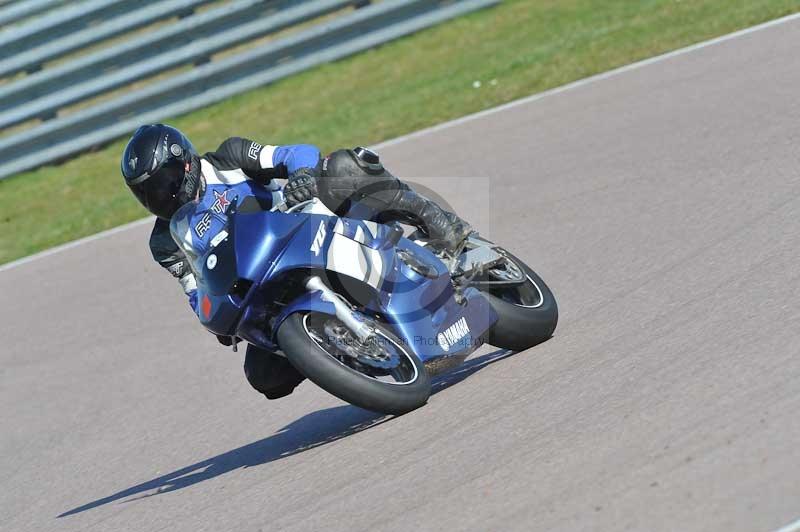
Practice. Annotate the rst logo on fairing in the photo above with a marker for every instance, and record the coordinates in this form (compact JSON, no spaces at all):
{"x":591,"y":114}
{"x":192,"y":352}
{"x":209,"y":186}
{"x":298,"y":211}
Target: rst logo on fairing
{"x":203,"y":225}
{"x":316,"y":246}
{"x":453,"y":334}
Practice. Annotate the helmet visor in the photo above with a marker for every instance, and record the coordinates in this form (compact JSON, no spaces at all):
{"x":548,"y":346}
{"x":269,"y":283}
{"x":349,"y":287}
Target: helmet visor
{"x":158,"y":193}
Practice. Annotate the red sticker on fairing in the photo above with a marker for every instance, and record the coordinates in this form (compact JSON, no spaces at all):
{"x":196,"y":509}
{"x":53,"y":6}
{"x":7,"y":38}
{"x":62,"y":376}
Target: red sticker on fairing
{"x":205,"y":307}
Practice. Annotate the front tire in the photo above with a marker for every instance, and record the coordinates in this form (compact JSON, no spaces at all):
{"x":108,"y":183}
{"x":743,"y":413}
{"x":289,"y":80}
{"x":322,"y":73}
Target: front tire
{"x":353,"y":371}
{"x":527,"y":314}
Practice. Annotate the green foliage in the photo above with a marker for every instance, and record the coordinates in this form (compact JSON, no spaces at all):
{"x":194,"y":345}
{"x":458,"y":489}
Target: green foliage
{"x":516,"y":49}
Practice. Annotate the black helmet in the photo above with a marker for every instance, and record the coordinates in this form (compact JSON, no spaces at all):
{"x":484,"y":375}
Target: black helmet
{"x":162,"y":169}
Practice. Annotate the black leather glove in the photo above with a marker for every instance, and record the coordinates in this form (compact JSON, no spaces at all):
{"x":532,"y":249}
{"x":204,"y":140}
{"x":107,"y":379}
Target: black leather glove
{"x":302,"y":186}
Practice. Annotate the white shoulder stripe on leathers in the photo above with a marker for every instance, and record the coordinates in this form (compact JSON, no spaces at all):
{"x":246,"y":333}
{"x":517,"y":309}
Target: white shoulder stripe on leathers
{"x":267,"y":152}
{"x":221,"y":177}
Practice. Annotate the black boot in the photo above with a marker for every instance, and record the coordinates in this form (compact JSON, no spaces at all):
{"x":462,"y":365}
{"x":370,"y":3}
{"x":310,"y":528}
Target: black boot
{"x":357,"y":177}
{"x":445,"y":229}
{"x":270,"y":374}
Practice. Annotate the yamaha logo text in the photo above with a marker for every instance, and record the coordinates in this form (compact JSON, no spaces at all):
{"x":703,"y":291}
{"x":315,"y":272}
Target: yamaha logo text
{"x":453,"y":334}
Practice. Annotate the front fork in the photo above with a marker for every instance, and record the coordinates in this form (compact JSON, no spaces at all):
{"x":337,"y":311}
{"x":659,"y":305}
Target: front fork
{"x":343,"y":311}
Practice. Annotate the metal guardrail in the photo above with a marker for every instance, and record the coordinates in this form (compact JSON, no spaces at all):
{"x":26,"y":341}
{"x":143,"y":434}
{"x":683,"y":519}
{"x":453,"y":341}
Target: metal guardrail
{"x":61,"y":21}
{"x":11,"y":11}
{"x":60,"y":137}
{"x":149,"y":64}
{"x":53,"y":47}
{"x":127,"y":52}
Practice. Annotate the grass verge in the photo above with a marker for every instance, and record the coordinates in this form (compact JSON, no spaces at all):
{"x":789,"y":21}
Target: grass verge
{"x":525,"y":46}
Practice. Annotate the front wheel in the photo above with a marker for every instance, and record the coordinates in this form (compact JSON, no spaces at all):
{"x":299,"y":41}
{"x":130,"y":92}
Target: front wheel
{"x":379,"y":374}
{"x":527,"y":311}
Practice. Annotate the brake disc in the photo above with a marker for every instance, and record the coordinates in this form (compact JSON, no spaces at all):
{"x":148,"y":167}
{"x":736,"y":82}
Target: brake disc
{"x":509,"y":273}
{"x":372,"y":352}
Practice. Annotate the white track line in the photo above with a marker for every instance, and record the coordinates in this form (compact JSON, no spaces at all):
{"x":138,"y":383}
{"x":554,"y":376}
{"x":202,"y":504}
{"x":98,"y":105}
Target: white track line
{"x":462,"y":120}
{"x":791,"y":527}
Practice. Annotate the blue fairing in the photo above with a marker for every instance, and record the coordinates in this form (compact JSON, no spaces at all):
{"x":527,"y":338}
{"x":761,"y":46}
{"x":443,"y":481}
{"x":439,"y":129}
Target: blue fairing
{"x":404,"y":283}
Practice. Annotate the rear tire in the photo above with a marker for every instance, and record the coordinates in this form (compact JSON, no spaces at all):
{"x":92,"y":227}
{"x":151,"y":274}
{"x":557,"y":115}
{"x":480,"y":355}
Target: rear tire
{"x":306,"y":353}
{"x":522,"y":324}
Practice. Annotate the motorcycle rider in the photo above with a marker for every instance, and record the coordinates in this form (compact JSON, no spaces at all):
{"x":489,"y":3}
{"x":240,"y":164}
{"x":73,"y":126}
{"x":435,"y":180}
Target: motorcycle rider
{"x":189,"y":194}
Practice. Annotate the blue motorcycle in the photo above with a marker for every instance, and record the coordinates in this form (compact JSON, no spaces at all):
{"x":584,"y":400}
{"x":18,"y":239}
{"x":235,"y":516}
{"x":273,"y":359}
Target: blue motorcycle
{"x":362,"y":310}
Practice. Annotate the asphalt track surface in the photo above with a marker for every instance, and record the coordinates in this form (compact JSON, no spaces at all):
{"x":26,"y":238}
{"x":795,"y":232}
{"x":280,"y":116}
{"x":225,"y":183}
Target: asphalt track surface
{"x":662,"y":205}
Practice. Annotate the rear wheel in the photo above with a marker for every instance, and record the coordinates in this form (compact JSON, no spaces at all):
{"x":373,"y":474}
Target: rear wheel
{"x":526,"y":308}
{"x":379,"y":374}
